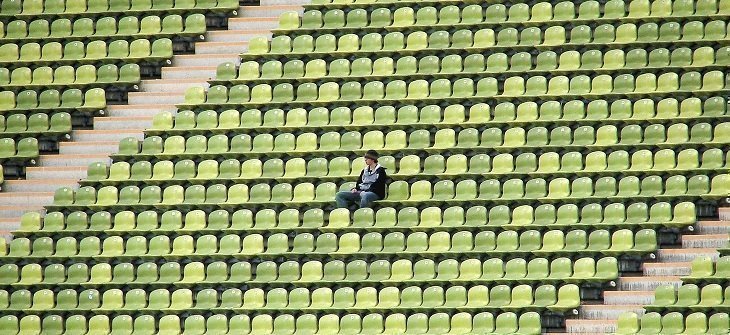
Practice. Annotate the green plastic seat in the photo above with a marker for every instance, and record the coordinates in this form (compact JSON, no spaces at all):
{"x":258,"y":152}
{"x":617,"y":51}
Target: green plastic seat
{"x":718,"y":323}
{"x":664,"y":296}
{"x":696,"y":323}
{"x":311,"y":19}
{"x":289,"y":20}
{"x":357,"y":18}
{"x":672,"y":323}
{"x":334,"y":19}
{"x":628,"y":323}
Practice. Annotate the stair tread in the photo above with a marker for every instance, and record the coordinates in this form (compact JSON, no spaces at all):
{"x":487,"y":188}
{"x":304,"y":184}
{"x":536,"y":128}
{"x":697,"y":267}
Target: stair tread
{"x":662,"y":264}
{"x":671,"y":250}
{"x":217,"y":43}
{"x":86,"y":143}
{"x":106,"y":131}
{"x":13,"y":194}
{"x":703,"y":236}
{"x":38,"y":181}
{"x":30,"y":207}
{"x":590,"y":320}
{"x":54,"y":168}
{"x":156,"y":94}
{"x":255,"y":19}
{"x":143,"y":106}
{"x":68,"y":156}
{"x":713,"y":222}
{"x":268,"y":7}
{"x":239,"y":31}
{"x":121,"y":118}
{"x":190,"y":68}
{"x":201,"y":81}
{"x":650,"y":278}
{"x":610,"y":306}
{"x":628,"y":292}
{"x":205,"y":56}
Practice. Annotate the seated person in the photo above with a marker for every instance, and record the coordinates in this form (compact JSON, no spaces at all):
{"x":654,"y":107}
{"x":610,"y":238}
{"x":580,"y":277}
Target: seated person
{"x":370,"y":186}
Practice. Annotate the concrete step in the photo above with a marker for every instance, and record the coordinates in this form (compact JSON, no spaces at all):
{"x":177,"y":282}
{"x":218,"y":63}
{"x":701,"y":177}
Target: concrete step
{"x":204,"y":60}
{"x":9,"y":224}
{"x":284,"y":2}
{"x":144,"y":98}
{"x":90,"y":147}
{"x":56,"y":172}
{"x":724,"y":213}
{"x":712,"y":227}
{"x":268,"y":11}
{"x":72,"y":160}
{"x":628,"y":297}
{"x":646,"y":283}
{"x":667,"y":269}
{"x":607,"y":312}
{"x":122,"y":122}
{"x":189,"y":72}
{"x":136,"y":110}
{"x":685,"y":255}
{"x":705,"y":241}
{"x":26,"y":198}
{"x":207,"y":48}
{"x":250,"y":23}
{"x":236,"y":35}
{"x":172,"y":85}
{"x":42,"y":185}
{"x":580,"y":326}
{"x":105,"y":135}
{"x":12,"y":211}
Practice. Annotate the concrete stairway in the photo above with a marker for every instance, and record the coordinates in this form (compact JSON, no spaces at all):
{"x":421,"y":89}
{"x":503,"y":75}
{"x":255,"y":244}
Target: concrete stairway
{"x":633,"y":290}
{"x":130,"y":120}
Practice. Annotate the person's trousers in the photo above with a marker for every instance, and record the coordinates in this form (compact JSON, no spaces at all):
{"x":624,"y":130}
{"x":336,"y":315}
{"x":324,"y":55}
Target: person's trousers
{"x":364,"y":199}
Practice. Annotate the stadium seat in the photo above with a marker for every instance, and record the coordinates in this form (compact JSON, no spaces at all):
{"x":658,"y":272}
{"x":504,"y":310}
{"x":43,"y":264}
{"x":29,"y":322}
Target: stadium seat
{"x":537,"y":152}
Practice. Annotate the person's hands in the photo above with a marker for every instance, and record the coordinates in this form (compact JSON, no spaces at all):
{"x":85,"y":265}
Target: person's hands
{"x":354,"y":190}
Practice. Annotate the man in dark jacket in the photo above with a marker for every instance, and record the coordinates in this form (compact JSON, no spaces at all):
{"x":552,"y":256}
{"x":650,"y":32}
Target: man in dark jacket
{"x":370,"y":186}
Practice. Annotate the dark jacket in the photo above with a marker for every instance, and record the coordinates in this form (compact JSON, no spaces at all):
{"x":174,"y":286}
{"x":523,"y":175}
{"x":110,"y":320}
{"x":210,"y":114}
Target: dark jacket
{"x":373,"y":181}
